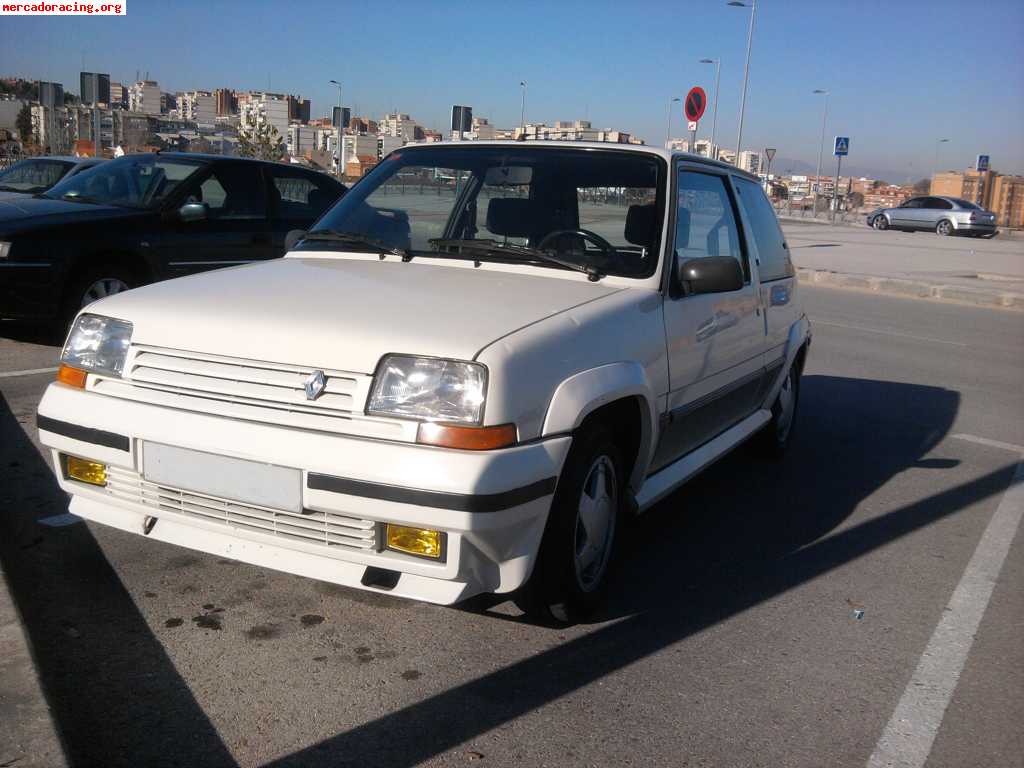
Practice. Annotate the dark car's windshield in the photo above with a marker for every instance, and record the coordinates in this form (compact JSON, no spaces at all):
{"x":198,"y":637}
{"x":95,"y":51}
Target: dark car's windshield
{"x":505,"y":203}
{"x":33,"y":175}
{"x":135,"y":181}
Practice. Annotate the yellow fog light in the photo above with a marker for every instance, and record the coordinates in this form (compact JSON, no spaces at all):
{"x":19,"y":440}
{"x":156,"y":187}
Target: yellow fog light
{"x":415,"y":541}
{"x":85,"y":471}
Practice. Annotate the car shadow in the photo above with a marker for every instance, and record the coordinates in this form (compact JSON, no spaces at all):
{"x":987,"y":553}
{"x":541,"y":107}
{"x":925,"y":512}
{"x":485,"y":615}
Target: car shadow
{"x":744,"y":532}
{"x":102,"y":669}
{"x":45,"y":334}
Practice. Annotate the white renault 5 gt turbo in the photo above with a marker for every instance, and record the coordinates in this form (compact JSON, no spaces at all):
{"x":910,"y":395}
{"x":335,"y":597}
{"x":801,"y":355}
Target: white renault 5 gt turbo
{"x":457,"y":382}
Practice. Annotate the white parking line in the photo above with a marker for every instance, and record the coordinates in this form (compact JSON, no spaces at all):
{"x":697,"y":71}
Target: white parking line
{"x":991,"y":443}
{"x":29,"y":372}
{"x":863,"y":329}
{"x":910,"y":734}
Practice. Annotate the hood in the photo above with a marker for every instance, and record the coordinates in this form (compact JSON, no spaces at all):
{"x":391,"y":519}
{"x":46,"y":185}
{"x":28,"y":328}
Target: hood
{"x":9,"y":195}
{"x":28,"y":212}
{"x":341,"y":313}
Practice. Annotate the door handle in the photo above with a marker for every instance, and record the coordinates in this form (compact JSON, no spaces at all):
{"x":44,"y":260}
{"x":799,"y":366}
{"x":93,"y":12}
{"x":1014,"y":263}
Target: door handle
{"x":707,"y":328}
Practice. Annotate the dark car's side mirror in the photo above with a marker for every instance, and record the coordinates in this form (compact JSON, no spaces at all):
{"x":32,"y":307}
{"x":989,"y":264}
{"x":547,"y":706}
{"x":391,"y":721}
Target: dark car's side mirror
{"x":713,"y":274}
{"x":193,"y":212}
{"x":292,"y":238}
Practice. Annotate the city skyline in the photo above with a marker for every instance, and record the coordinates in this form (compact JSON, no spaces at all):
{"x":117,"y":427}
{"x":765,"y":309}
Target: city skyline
{"x":873,"y":88}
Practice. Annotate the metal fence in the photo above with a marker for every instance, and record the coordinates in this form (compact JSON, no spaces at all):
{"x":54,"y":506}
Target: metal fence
{"x":785,"y":209}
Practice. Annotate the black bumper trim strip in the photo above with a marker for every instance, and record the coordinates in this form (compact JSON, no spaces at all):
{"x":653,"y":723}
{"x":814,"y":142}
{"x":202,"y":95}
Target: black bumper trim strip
{"x":459,"y":502}
{"x":85,"y":434}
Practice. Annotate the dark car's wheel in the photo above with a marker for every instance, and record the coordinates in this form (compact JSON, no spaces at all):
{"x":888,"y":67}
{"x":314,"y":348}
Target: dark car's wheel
{"x":944,"y":228}
{"x":880,"y":222}
{"x":570,"y":577}
{"x":95,"y":283}
{"x":774,"y":439}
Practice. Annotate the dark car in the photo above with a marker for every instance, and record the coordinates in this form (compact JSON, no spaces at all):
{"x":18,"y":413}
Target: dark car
{"x":143,"y":218}
{"x":38,"y":174}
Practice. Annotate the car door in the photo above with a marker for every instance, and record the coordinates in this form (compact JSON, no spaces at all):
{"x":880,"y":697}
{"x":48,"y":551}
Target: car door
{"x":935,"y":209}
{"x":715,"y":342}
{"x":235,"y":229}
{"x":907,"y":215}
{"x":298,"y":198}
{"x":776,"y":275}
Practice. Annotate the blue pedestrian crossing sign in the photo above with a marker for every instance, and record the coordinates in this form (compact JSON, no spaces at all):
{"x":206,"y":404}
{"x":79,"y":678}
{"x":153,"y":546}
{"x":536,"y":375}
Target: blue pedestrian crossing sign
{"x":842,"y":146}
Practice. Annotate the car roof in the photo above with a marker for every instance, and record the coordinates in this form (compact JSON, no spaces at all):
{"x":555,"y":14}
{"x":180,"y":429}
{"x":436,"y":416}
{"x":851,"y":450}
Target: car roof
{"x":605,"y":145}
{"x":210,"y":157}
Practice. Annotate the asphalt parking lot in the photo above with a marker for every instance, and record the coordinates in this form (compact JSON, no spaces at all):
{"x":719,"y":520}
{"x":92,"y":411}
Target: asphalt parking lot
{"x":731,"y":638}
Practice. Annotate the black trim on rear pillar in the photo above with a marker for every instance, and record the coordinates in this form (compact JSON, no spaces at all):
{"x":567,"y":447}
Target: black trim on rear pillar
{"x":85,"y":434}
{"x":460,"y":502}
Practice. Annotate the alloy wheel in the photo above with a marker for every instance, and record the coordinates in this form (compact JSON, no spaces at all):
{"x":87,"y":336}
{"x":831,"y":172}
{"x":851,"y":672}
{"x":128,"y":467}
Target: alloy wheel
{"x":105,"y":286}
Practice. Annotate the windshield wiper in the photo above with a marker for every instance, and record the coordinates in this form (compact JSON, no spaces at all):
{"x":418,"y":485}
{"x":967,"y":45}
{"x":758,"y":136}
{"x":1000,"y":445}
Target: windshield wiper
{"x":357,"y":239}
{"x":494,"y":248}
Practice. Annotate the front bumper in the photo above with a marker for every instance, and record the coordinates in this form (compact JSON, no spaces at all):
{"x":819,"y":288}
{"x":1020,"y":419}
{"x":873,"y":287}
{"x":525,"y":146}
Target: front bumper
{"x":492,"y":505}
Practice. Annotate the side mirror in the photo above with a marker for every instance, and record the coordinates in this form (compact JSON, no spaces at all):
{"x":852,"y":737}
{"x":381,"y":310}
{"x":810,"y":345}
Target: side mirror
{"x":714,"y":274}
{"x":193,"y":212}
{"x":292,"y":238}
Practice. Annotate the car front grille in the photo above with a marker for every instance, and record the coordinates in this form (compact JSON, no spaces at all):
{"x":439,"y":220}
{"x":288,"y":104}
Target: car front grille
{"x":328,"y":529}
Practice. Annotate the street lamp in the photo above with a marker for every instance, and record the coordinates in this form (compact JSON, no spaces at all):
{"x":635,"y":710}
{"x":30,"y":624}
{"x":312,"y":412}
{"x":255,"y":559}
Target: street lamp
{"x":821,"y":144}
{"x":713,"y":153}
{"x":746,"y":69}
{"x":339,"y":149}
{"x":668,"y":130}
{"x":522,"y":110}
{"x":935,"y":165}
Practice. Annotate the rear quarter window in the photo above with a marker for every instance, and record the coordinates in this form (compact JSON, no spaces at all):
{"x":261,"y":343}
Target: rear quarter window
{"x":775,"y":263}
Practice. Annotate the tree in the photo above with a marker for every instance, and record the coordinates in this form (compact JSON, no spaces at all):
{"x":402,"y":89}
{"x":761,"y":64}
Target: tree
{"x":24,"y":123}
{"x":922,"y":186}
{"x":260,"y":140}
{"x":855,"y":200}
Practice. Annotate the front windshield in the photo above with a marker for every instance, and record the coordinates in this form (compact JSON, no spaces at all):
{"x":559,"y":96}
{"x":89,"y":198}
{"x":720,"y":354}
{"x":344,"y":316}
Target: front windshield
{"x":135,"y":181}
{"x":506,"y":202}
{"x":33,"y":175}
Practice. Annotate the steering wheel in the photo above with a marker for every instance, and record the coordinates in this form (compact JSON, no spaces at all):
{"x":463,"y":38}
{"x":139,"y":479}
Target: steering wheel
{"x":607,"y":248}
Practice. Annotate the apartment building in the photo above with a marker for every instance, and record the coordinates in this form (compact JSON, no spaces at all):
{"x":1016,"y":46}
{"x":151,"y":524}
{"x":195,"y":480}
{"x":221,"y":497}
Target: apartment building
{"x":972,"y":185}
{"x":298,"y":109}
{"x":95,"y":88}
{"x":1007,"y":201}
{"x":51,"y":94}
{"x":119,"y":95}
{"x":224,"y":102}
{"x":401,"y":126}
{"x":301,"y":139}
{"x":198,"y":106}
{"x":261,"y":107}
{"x":886,"y":195}
{"x":144,"y":97}
{"x":750,"y":162}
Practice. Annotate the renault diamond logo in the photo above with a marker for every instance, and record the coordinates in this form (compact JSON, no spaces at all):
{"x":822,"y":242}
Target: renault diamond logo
{"x":315,"y":385}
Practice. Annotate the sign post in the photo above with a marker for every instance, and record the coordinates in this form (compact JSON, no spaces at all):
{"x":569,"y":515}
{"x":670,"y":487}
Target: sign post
{"x":842,"y":148}
{"x":693,"y":107}
{"x":769,"y":155}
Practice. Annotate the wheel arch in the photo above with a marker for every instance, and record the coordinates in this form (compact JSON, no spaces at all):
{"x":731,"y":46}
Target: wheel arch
{"x":619,"y":393}
{"x":81,"y":264}
{"x":797,"y":344}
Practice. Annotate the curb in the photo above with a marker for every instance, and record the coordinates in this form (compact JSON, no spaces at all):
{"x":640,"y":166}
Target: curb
{"x":30,"y":735}
{"x":913,"y":288}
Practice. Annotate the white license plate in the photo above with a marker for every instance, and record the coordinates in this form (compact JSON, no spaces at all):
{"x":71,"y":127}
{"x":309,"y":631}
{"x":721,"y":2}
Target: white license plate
{"x":252,"y":482}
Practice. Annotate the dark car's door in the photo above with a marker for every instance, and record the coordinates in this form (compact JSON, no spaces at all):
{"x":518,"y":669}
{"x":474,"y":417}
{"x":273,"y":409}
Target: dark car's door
{"x":235,"y":229}
{"x":297,"y":199}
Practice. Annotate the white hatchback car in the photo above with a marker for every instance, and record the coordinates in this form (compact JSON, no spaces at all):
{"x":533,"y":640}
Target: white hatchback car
{"x":457,"y":382}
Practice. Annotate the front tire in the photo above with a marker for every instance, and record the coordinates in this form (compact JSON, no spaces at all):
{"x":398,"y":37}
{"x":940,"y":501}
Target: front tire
{"x":945,"y":228}
{"x":95,"y":283}
{"x":880,"y":223}
{"x":570,"y":577}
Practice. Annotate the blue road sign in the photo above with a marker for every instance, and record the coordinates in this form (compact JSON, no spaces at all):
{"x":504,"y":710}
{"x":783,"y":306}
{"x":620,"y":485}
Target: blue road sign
{"x":842,"y":146}
{"x":982,"y":164}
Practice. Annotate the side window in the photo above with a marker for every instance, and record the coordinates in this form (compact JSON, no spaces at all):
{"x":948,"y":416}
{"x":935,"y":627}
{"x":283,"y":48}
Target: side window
{"x":914,"y":202}
{"x":705,"y":220}
{"x":938,"y":204}
{"x":300,"y":196}
{"x":233,"y":192}
{"x":775,"y":263}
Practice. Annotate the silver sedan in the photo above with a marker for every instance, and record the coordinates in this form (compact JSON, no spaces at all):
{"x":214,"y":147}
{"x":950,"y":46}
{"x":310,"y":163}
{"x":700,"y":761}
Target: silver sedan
{"x":942,"y":215}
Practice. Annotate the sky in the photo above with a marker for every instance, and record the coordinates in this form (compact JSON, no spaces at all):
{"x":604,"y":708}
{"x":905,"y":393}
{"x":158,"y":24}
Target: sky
{"x":901,"y":74}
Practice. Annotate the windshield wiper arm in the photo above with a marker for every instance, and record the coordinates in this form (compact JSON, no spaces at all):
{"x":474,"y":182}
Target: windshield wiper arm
{"x":493,"y":247}
{"x":355,"y":238}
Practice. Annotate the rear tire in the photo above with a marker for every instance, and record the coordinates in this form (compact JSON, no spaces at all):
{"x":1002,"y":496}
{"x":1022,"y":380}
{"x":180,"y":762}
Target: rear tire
{"x":570,"y":576}
{"x":945,"y":228}
{"x":776,"y":436}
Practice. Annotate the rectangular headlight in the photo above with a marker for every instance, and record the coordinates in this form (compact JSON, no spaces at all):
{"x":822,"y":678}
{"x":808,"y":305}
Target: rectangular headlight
{"x":423,"y":542}
{"x":429,"y":389}
{"x":98,"y":344}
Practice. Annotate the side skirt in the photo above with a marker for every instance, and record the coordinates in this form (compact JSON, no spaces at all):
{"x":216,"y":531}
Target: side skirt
{"x":666,"y":480}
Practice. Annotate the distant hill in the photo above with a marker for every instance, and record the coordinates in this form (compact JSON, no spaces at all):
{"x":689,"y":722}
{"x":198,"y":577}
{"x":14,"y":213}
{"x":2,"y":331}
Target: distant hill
{"x":785,"y":166}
